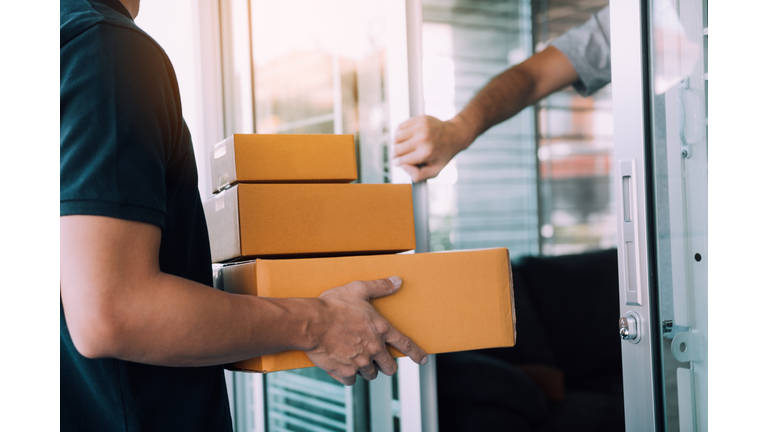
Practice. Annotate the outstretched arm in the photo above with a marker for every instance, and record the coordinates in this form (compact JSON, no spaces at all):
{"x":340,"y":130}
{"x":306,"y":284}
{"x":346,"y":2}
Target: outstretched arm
{"x":424,"y":145}
{"x":117,"y":303}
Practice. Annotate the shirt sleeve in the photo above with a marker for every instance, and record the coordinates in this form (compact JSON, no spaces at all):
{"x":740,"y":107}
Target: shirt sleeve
{"x":116,"y":124}
{"x":588,"y":47}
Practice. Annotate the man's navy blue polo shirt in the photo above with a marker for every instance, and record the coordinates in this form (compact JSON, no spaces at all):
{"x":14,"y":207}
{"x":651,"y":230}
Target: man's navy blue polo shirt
{"x":126,"y":153}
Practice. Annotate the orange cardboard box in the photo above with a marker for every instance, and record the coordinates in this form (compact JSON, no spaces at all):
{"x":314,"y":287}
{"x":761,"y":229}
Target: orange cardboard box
{"x":304,"y":220}
{"x":283,"y":158}
{"x":449,"y":301}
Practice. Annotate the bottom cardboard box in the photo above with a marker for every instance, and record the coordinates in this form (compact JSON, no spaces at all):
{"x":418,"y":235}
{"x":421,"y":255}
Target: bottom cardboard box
{"x":449,"y":301}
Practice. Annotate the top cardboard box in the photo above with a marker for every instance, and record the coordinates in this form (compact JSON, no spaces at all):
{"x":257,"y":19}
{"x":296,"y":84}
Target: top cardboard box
{"x":283,"y":158}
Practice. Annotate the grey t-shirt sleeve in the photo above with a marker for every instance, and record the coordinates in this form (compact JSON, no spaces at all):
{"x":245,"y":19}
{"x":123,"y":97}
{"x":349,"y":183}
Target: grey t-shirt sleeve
{"x":588,"y":47}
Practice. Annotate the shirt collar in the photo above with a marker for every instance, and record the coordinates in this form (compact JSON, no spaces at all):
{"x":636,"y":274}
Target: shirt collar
{"x":116,"y":5}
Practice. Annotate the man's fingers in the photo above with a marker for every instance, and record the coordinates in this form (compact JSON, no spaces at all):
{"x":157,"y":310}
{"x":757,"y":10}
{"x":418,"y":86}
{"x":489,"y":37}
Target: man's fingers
{"x":402,"y":135}
{"x":405,"y":147}
{"x":409,"y":123}
{"x":421,"y":173}
{"x":415,"y":157}
{"x":369,"y":373}
{"x":406,"y":346}
{"x":348,"y":381}
{"x":412,"y":171}
{"x":386,"y":364}
{"x":380,"y":288}
{"x":428,"y":172}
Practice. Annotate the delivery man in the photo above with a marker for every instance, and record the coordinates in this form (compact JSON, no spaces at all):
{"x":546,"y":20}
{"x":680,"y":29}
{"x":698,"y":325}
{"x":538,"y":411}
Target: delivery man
{"x":581,"y":57}
{"x":142,"y":332}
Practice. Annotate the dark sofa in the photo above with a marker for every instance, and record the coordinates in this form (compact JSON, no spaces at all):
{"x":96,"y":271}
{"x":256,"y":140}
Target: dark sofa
{"x":564,"y":373}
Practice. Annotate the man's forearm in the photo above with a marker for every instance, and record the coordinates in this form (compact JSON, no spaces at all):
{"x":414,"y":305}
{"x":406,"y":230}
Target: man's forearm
{"x":503,"y":97}
{"x":514,"y":89}
{"x":178,"y":322}
{"x":194,"y":325}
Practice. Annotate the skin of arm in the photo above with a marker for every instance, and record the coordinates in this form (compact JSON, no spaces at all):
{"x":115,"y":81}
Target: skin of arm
{"x":117,"y":303}
{"x":424,"y":145}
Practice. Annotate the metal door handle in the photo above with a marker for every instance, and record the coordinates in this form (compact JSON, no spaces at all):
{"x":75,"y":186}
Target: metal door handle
{"x":629,"y":217}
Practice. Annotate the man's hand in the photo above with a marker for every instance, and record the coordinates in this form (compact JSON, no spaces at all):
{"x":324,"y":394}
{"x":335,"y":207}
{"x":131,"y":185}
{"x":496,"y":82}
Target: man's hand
{"x":424,"y":145}
{"x":353,"y":336}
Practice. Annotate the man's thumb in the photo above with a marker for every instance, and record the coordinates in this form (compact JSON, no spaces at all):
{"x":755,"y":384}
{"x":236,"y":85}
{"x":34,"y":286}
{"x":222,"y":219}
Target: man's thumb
{"x":382,"y":287}
{"x":411,"y":170}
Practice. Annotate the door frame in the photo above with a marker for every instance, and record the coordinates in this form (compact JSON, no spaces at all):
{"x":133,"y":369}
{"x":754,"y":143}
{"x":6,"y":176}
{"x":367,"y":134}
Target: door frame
{"x":635,"y":213}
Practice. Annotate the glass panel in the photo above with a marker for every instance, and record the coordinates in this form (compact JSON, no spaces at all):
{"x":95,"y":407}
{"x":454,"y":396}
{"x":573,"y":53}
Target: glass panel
{"x":575,"y":149}
{"x":307,"y":399}
{"x":486,"y":196}
{"x":320,"y":67}
{"x":679,"y":150}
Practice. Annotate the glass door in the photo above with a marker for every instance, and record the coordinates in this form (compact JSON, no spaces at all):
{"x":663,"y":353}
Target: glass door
{"x":678,"y":101}
{"x":659,"y":60}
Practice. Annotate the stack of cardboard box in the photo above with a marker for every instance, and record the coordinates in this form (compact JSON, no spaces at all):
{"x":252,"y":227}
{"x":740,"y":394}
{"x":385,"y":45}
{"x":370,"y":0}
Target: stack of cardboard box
{"x":285,"y":203}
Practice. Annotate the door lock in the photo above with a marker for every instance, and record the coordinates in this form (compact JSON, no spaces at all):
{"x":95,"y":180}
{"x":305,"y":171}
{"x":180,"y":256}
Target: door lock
{"x":629,"y":328}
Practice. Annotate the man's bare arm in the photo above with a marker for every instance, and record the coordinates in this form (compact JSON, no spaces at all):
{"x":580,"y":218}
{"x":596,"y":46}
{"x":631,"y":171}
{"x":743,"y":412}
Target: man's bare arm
{"x":119,"y":304}
{"x":424,"y":145}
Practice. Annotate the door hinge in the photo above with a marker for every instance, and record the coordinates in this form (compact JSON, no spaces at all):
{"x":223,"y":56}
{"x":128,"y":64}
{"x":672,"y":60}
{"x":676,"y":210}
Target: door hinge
{"x":688,"y":346}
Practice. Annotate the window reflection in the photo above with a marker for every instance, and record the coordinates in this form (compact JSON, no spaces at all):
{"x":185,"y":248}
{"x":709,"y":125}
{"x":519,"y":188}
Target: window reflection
{"x":486,"y":196}
{"x":575,"y":150}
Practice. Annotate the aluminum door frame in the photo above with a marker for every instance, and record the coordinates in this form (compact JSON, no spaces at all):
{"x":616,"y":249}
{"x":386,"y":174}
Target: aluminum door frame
{"x":418,"y":384}
{"x":634,"y":212}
